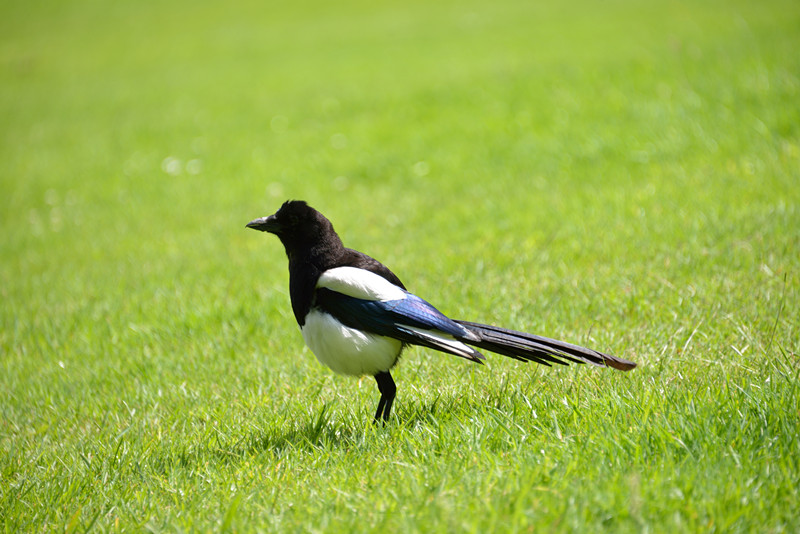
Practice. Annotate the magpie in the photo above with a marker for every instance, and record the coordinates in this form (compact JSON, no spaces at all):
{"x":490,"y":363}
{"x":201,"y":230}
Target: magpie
{"x":356,"y":315}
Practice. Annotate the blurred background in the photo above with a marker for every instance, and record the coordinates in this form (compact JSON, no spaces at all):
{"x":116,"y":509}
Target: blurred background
{"x":139,"y":137}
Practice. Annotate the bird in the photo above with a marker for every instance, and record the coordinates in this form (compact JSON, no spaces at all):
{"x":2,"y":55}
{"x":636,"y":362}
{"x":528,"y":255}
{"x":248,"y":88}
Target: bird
{"x":357,"y":317}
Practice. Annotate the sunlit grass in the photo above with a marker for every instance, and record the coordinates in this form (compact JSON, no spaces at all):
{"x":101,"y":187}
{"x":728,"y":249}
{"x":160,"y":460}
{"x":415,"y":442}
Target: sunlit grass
{"x":619,"y":175}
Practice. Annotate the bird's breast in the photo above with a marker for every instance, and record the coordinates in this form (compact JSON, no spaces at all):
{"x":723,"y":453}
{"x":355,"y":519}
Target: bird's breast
{"x":346,"y":350}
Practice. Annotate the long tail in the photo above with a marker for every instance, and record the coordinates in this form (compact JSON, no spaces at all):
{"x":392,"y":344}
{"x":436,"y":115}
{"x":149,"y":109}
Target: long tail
{"x":528,"y":347}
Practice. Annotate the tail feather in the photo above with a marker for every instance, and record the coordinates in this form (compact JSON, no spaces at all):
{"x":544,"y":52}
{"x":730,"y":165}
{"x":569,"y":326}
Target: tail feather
{"x":539,"y":349}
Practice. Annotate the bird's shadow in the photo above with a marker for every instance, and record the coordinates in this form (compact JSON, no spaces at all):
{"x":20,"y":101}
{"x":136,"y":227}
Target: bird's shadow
{"x":321,"y":431}
{"x":328,"y":430}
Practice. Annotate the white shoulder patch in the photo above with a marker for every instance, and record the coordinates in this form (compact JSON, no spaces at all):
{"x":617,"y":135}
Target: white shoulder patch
{"x":360,"y":283}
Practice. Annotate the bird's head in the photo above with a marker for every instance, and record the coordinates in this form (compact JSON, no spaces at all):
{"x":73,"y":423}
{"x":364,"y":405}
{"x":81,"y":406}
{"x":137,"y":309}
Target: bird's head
{"x":299,"y":227}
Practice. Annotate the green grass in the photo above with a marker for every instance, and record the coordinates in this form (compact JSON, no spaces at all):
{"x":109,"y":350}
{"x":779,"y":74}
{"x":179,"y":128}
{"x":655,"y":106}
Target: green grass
{"x":624,"y":175}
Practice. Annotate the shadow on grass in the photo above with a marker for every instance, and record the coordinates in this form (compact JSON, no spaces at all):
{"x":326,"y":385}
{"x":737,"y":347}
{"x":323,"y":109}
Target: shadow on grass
{"x":327,"y":432}
{"x":320,"y":432}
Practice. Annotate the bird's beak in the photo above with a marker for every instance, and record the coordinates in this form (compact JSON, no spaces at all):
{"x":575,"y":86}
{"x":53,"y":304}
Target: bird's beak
{"x":265,"y":224}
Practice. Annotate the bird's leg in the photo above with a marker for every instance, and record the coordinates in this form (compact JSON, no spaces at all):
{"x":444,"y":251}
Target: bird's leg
{"x":388,"y":389}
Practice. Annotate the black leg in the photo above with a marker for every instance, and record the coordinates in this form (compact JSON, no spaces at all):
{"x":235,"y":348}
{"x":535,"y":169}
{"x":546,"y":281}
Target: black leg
{"x":388,"y":389}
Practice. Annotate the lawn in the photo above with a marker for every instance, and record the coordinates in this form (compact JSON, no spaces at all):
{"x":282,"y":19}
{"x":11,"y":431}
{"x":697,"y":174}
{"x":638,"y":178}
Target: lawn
{"x":623,"y":175}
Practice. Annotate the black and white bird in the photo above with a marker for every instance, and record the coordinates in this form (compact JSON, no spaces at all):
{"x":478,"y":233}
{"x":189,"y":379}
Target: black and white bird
{"x":356,"y":315}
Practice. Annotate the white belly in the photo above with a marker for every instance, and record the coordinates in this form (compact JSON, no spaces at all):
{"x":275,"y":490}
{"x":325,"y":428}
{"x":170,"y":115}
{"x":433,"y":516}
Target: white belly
{"x":346,"y":350}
